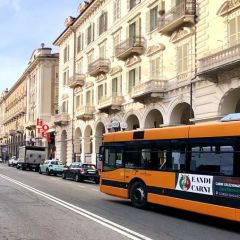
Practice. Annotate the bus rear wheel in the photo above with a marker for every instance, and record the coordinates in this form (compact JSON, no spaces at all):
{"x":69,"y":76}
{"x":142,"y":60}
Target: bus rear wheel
{"x":138,"y":195}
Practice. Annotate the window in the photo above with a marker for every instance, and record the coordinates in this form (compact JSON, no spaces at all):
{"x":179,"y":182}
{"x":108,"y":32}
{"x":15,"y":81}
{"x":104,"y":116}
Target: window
{"x":155,"y":67}
{"x":212,"y":157}
{"x":65,"y":106}
{"x":116,"y":10}
{"x":132,"y":30}
{"x":90,"y":34}
{"x":89,"y":97}
{"x":80,"y":66}
{"x":182,"y":58}
{"x":116,"y":85}
{"x":102,"y":51}
{"x":77,"y":101}
{"x":66,"y":54}
{"x":132,"y":78}
{"x":102,"y":27}
{"x":113,"y":158}
{"x":80,"y":42}
{"x":100,"y":92}
{"x":116,"y":41}
{"x":90,"y":57}
{"x":153,"y":18}
{"x":133,"y":3}
{"x":65,"y":77}
{"x":234,"y":30}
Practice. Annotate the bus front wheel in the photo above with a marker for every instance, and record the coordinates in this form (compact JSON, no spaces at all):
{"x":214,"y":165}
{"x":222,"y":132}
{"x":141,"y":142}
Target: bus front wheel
{"x":138,"y":195}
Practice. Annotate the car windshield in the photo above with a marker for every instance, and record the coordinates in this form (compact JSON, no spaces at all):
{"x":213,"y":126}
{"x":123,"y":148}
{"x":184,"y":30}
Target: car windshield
{"x":89,"y":166}
{"x":54,"y":162}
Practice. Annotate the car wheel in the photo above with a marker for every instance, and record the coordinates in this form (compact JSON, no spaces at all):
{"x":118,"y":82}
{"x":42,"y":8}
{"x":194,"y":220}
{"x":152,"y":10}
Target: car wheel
{"x":138,"y":195}
{"x":63,"y":175}
{"x":40,"y":172}
{"x":77,"y":179}
{"x":47,"y":172}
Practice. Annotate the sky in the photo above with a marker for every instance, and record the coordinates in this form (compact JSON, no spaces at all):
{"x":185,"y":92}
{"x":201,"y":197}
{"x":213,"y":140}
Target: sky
{"x":24,"y":25}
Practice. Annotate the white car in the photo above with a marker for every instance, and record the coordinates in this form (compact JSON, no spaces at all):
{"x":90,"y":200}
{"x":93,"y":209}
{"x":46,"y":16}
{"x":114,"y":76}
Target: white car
{"x":13,"y":161}
{"x":1,"y":160}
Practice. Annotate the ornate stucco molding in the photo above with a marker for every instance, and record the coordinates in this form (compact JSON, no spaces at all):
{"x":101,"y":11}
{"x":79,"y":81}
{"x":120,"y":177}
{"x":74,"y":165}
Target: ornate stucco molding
{"x":180,"y":34}
{"x":154,"y":49}
{"x":228,"y":6}
{"x":114,"y":70}
{"x":133,"y":60}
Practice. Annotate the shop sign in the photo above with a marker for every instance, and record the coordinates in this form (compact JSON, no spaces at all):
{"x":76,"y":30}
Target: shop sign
{"x":195,"y":183}
{"x":42,"y":129}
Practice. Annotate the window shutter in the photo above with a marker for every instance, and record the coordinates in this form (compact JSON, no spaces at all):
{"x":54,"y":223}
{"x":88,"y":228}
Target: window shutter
{"x":86,"y":37}
{"x":93,"y":31}
{"x":232,"y":31}
{"x":185,"y":58}
{"x":128,"y":5}
{"x":105,"y":21}
{"x":148,"y":22}
{"x":82,"y":43}
{"x":98,"y":26}
{"x":120,"y":85}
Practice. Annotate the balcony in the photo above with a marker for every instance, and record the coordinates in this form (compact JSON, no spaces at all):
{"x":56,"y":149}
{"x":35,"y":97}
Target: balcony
{"x":110,"y":103}
{"x":181,"y":15}
{"x":223,"y":59}
{"x":150,"y":90}
{"x":61,"y":119}
{"x":78,"y":81}
{"x":30,"y":125}
{"x":12,"y":132}
{"x":100,"y":66}
{"x":130,"y":47}
{"x":85,"y":112}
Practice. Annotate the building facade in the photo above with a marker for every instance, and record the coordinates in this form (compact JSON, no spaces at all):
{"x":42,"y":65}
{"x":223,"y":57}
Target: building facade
{"x":34,"y":96}
{"x":147,"y":64}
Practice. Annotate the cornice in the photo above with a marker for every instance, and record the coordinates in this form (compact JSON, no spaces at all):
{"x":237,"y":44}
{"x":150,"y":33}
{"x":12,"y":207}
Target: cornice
{"x":88,"y":11}
{"x":29,"y":69}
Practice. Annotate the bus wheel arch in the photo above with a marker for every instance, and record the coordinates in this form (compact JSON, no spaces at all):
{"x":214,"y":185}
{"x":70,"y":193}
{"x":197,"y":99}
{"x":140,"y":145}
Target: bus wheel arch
{"x":137,"y":192}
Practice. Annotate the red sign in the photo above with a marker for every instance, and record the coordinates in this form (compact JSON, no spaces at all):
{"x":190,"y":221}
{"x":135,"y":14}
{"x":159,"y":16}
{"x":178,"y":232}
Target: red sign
{"x":42,"y":129}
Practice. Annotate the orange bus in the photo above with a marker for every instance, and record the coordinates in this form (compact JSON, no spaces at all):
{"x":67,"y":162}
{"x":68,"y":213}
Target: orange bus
{"x":194,"y":167}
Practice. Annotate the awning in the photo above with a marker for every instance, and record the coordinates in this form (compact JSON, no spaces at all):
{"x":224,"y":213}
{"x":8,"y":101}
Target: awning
{"x":50,"y":130}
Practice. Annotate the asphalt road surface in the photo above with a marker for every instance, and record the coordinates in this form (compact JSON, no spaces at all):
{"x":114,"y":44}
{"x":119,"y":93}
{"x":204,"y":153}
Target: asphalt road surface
{"x":37,"y":207}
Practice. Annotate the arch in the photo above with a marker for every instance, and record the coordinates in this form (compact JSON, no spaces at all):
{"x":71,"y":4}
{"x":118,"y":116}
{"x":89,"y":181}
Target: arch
{"x":77,"y":141}
{"x":230,"y":102}
{"x":135,"y":113}
{"x":88,"y":139}
{"x":64,"y":147}
{"x":153,"y":119}
{"x":132,"y":122}
{"x":99,"y":131}
{"x":181,"y":114}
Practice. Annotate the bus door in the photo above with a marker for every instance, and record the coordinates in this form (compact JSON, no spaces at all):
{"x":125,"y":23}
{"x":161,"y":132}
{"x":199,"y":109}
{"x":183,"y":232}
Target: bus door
{"x":113,"y":174}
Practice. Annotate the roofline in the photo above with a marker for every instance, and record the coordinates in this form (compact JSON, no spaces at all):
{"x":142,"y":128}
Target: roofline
{"x":69,"y":27}
{"x":38,"y":58}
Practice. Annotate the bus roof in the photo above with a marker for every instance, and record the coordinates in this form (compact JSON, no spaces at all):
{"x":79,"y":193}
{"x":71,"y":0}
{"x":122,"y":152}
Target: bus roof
{"x":219,"y":129}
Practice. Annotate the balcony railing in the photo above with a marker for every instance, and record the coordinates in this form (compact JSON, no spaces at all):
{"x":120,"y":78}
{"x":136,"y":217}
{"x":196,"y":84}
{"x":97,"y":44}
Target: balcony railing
{"x":221,"y":60}
{"x":129,"y":47}
{"x":98,"y":67}
{"x":85,"y":112}
{"x":151,"y":89}
{"x":78,"y":81}
{"x":183,"y":13}
{"x":12,"y":132}
{"x":108,"y":103}
{"x":62,"y":119}
{"x":30,"y":125}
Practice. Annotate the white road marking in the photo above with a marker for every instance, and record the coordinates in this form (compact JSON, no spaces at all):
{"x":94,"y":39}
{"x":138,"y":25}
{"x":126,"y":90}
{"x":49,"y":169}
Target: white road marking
{"x":103,"y":221}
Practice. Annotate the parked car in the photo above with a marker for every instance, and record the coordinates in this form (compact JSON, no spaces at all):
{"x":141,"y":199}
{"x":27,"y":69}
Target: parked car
{"x":13,"y":161}
{"x":1,"y":160}
{"x":51,"y":167}
{"x":80,"y":172}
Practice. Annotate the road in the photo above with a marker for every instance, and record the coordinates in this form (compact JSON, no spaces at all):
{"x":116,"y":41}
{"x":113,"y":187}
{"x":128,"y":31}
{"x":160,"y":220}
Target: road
{"x":36,"y":207}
